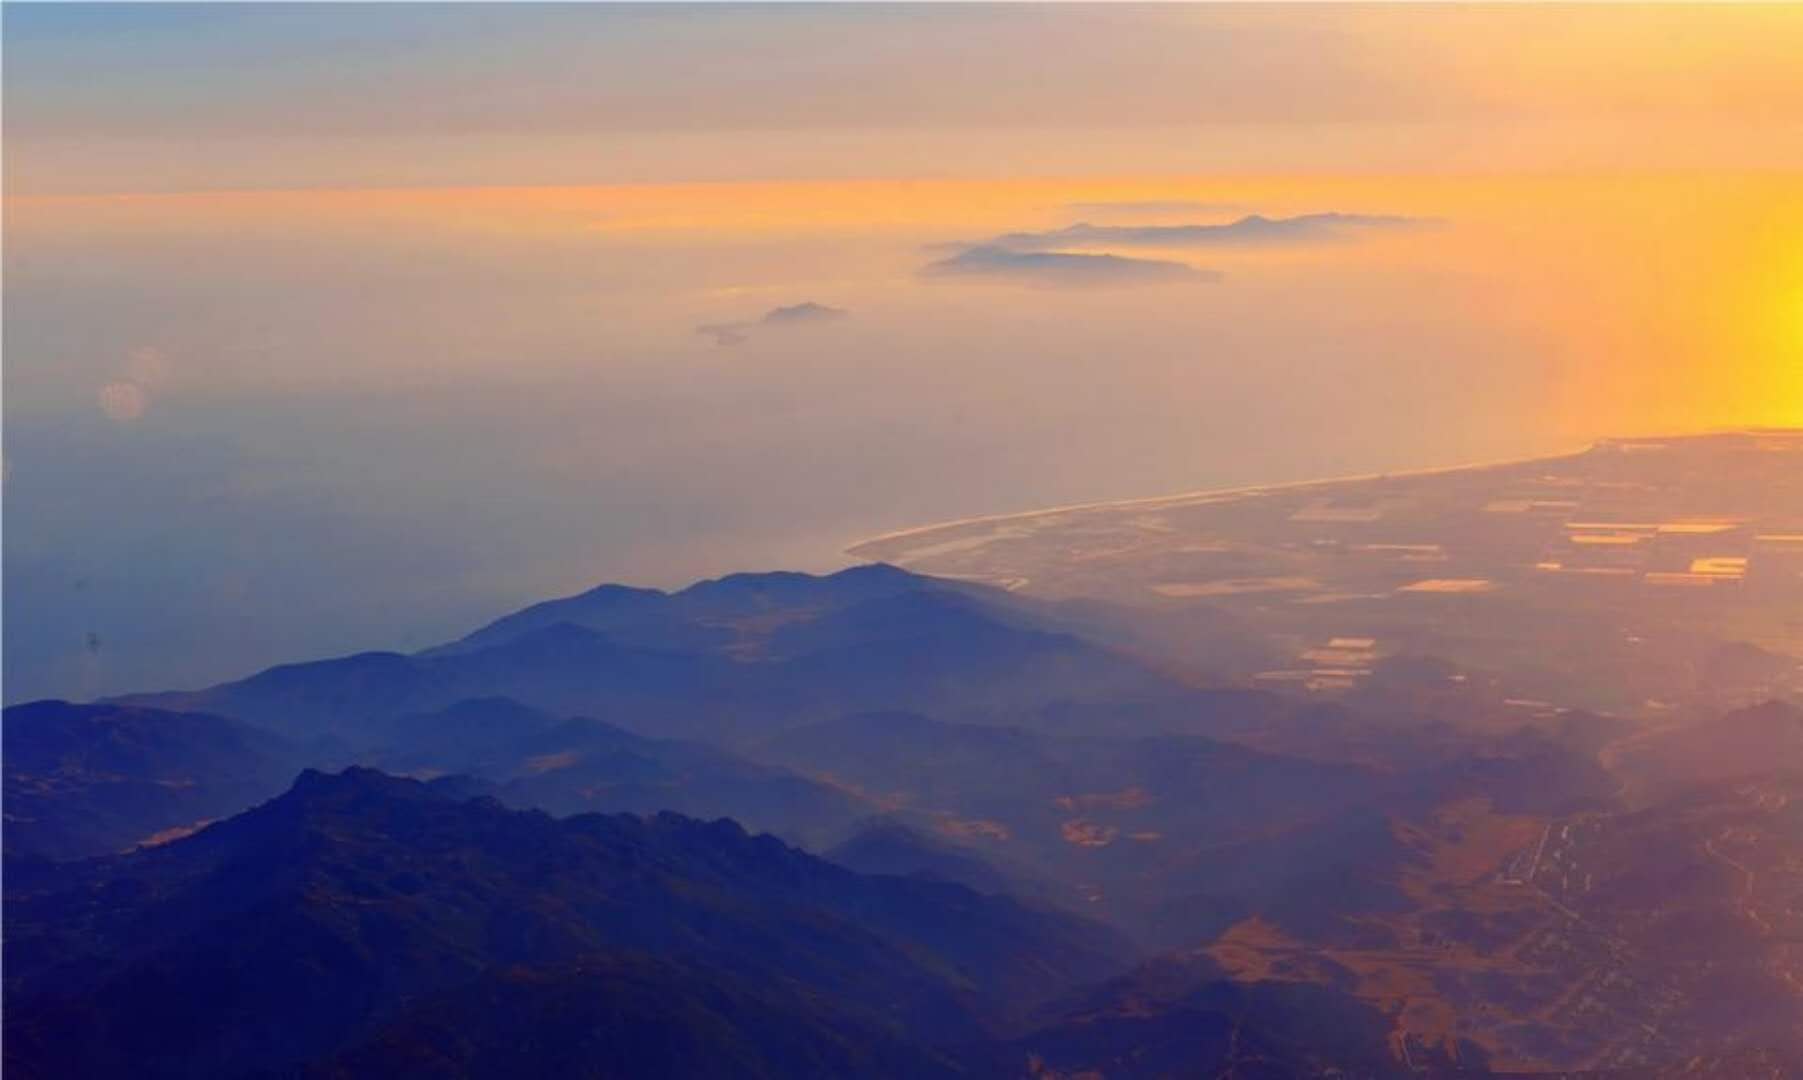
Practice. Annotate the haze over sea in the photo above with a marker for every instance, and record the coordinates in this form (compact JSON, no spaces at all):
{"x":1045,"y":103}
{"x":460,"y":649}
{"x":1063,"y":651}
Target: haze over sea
{"x":289,"y":377}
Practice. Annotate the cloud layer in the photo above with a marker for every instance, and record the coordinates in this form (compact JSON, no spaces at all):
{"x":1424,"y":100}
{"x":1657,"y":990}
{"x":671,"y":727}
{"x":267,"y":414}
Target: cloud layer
{"x":1062,"y":267}
{"x":804,"y":313}
{"x":1047,"y":257}
{"x":1253,"y":230}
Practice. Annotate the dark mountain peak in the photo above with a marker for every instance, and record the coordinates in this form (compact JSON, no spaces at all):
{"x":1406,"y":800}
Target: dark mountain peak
{"x":728,"y":659}
{"x":365,"y":803}
{"x":603,"y":605}
{"x":493,"y":709}
{"x":579,"y":764}
{"x":776,"y":582}
{"x":336,"y":826}
{"x":719,"y":830}
{"x":460,"y":787}
{"x":374,"y":663}
{"x":881,"y":573}
{"x":572,"y":726}
{"x":787,"y":586}
{"x":310,"y":920}
{"x":316,"y":787}
{"x":686,"y":619}
{"x":561,"y":633}
{"x":359,"y":807}
{"x":25,"y":710}
{"x":613,"y":595}
{"x":884,"y":845}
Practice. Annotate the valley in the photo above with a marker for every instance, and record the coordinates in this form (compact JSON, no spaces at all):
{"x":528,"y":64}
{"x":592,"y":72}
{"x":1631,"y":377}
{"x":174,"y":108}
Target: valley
{"x":1340,"y":777}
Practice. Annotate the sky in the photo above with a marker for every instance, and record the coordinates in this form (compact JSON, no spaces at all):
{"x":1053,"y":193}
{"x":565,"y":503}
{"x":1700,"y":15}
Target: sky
{"x":341,"y":327}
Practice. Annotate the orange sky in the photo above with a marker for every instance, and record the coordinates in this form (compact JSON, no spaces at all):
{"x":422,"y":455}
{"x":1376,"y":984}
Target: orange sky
{"x":158,"y":98}
{"x":394,"y":315}
{"x":1673,"y":300}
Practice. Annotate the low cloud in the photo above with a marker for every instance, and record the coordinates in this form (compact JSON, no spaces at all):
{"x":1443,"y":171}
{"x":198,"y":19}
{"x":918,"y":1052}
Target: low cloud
{"x":726,"y":333}
{"x":1253,"y":230}
{"x":1068,"y":256}
{"x":1062,"y":267}
{"x":804,"y":313}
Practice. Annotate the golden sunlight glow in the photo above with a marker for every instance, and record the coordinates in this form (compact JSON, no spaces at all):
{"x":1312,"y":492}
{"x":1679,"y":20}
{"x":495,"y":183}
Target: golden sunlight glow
{"x":1666,"y":301}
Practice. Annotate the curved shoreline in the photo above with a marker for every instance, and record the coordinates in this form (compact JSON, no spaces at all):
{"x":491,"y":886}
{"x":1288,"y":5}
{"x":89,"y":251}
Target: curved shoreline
{"x":1213,"y":494}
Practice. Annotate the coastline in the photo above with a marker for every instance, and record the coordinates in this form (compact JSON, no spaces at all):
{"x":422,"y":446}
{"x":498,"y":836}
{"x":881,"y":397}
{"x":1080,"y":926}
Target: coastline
{"x":1217,"y":494}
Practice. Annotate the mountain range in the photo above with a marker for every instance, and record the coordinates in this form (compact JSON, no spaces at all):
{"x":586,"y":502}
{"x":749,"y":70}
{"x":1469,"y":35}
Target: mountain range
{"x":728,"y":661}
{"x":875,"y":824}
{"x":311,"y":929}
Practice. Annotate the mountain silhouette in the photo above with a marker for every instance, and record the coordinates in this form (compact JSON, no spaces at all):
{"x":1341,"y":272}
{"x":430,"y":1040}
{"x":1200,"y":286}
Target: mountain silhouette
{"x":726,"y":661}
{"x":300,"y":929}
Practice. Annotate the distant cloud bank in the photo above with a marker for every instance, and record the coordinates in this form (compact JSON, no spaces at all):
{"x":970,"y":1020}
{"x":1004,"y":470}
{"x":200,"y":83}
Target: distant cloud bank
{"x":1253,"y":230}
{"x":1047,"y":257}
{"x":806,"y":312}
{"x":1062,"y":267}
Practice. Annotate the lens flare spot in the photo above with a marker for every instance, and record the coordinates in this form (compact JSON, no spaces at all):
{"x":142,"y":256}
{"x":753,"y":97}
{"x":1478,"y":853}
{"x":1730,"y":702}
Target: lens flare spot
{"x":123,"y":401}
